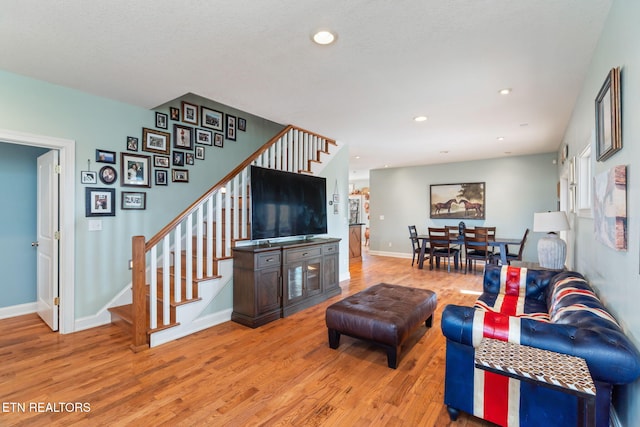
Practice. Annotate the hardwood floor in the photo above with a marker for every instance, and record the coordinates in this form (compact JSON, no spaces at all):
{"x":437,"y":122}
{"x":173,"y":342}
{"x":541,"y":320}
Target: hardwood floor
{"x":281,"y":374}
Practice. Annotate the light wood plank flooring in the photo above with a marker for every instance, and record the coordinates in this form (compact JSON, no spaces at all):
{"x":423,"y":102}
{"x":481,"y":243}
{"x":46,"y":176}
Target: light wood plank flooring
{"x":281,"y":374}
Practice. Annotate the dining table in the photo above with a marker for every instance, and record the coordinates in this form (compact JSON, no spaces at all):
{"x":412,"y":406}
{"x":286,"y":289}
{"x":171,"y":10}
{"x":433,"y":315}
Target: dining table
{"x":499,"y":242}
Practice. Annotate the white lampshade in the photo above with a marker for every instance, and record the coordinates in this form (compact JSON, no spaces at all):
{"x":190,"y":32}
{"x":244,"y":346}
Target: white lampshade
{"x":550,"y":221}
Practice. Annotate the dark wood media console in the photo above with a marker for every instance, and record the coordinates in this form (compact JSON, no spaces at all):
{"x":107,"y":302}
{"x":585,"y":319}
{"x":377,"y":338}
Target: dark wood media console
{"x":279,"y":279}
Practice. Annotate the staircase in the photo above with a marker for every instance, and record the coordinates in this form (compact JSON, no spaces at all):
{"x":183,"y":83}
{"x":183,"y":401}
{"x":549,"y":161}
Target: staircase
{"x":179,"y":271}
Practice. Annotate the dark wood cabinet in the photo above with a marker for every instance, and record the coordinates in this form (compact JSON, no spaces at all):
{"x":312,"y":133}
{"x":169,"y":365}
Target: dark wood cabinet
{"x":276,"y":280}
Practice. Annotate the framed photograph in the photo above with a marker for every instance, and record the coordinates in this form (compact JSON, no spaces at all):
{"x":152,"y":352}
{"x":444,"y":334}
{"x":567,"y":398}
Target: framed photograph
{"x":108,"y":175}
{"x":135,"y":170}
{"x":132,"y":143}
{"x":175,"y":113}
{"x":155,"y":141}
{"x":180,"y":175}
{"x":188,"y":158}
{"x":161,"y":161}
{"x":182,"y":137}
{"x":230,"y":127}
{"x":100,"y":201}
{"x":211,"y":119}
{"x":88,"y":177}
{"x":204,"y":137}
{"x":161,"y":177}
{"x":162,"y":120}
{"x":199,"y":153}
{"x":218,"y":140}
{"x":608,"y":113}
{"x":189,"y":113}
{"x":242,"y":124}
{"x":133,"y":200}
{"x":103,"y":156}
{"x":178,"y":158}
{"x":458,"y":201}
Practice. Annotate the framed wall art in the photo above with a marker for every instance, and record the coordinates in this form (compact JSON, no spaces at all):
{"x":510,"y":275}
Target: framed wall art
{"x":610,"y":207}
{"x":242,"y":124}
{"x":458,"y":201}
{"x":230,"y":127}
{"x":204,"y":137}
{"x":200,"y":153}
{"x":132,"y":143}
{"x":135,"y":170}
{"x":100,"y":201}
{"x":211,"y":119}
{"x":108,"y":175}
{"x":175,"y":113}
{"x":162,"y":120}
{"x":182,"y":137}
{"x":133,"y":200}
{"x":218,"y":140}
{"x":161,"y":177}
{"x":88,"y":177}
{"x":155,"y":141}
{"x":608,"y":129}
{"x":180,"y":175}
{"x":189,"y":113}
{"x":161,"y":161}
{"x":103,"y":156}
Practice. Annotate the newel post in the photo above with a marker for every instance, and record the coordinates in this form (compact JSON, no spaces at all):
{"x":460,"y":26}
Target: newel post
{"x":139,"y":279}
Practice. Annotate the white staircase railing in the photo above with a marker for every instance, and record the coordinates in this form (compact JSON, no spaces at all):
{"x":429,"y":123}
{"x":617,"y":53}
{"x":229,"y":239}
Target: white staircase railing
{"x":186,"y":250}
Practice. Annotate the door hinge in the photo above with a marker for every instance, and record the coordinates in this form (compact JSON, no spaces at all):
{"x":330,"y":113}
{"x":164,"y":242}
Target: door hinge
{"x":56,"y":301}
{"x":58,"y":169}
{"x":56,"y":235}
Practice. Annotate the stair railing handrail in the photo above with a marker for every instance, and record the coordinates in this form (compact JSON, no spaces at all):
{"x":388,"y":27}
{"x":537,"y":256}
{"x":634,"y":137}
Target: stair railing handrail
{"x":140,"y":247}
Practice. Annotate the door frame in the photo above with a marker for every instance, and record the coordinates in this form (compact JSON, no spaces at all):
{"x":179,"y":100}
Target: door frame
{"x":67,"y":150}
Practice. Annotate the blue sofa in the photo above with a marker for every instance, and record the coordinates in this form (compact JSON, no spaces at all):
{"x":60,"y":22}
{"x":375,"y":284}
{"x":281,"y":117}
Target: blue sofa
{"x":556,"y":311}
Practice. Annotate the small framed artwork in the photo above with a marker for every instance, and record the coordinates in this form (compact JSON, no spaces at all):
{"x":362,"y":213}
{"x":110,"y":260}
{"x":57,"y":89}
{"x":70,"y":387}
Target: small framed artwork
{"x":133,"y":200}
{"x":178,"y":158}
{"x":155,"y":141}
{"x":100,"y":201}
{"x":180,"y":175}
{"x":230,"y":127}
{"x":218,"y":140}
{"x":608,"y":113}
{"x":88,"y":177}
{"x":204,"y":136}
{"x":161,"y":161}
{"x":132,"y":143}
{"x":108,"y":175}
{"x":162,"y":120}
{"x":135,"y":170}
{"x":211,"y":119}
{"x":175,"y":113}
{"x":182,"y":137}
{"x":161,"y":177}
{"x":189,"y":113}
{"x":188,"y":158}
{"x":242,"y":124}
{"x":103,"y":156}
{"x":199,"y":153}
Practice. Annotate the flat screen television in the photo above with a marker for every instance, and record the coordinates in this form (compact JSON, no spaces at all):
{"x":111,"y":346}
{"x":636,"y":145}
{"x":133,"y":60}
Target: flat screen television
{"x":287,"y":204}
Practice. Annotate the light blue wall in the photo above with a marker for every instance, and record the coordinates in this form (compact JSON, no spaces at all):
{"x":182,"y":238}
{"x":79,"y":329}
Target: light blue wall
{"x":515,"y":187}
{"x":614,"y":274}
{"x":101,"y":260}
{"x":18,"y":171}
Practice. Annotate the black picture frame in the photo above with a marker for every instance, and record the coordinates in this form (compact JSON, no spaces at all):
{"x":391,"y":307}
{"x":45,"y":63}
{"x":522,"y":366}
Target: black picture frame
{"x":88,"y":177}
{"x":161,"y":177}
{"x":608,"y":117}
{"x":155,"y":141}
{"x":242,"y":124}
{"x":457,"y":201}
{"x":174,"y":113}
{"x":183,"y":137}
{"x":212,"y":119}
{"x":135,"y":170}
{"x":132,"y":143}
{"x":162,"y":120}
{"x":230,"y":127}
{"x":199,"y":153}
{"x":108,"y":175}
{"x":218,"y":140}
{"x":133,"y":200}
{"x":161,"y":161}
{"x":100,"y":201}
{"x":104,"y":156}
{"x":204,"y":137}
{"x":177,"y":158}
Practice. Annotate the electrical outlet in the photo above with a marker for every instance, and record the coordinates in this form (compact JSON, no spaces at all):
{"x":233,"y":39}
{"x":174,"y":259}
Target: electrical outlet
{"x":130,"y":264}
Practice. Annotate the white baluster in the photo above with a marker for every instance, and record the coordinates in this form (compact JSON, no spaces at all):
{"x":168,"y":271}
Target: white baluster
{"x":153,"y":289}
{"x":166,"y":285}
{"x":189,"y":256}
{"x":177,"y":263}
{"x":199,"y":243}
{"x":209,"y":236}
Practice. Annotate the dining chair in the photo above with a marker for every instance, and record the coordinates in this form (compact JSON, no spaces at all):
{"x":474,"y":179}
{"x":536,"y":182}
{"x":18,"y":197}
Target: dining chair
{"x":440,"y":247}
{"x":454,"y":234}
{"x":516,"y":256}
{"x":491,"y":235}
{"x":415,"y":243}
{"x":476,"y":247}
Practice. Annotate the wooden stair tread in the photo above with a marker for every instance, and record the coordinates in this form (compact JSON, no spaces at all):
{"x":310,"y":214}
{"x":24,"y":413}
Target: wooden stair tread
{"x":125,"y":314}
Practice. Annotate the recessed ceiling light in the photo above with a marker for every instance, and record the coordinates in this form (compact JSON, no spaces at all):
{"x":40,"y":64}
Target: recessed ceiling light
{"x":505,"y":91}
{"x":420,"y":118}
{"x":500,"y":138}
{"x":386,"y":166}
{"x":357,"y":157}
{"x":324,"y":37}
{"x":444,"y":152}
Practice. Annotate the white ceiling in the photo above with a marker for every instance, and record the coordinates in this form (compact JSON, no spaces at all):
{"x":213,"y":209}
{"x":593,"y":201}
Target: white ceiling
{"x":393,"y":60}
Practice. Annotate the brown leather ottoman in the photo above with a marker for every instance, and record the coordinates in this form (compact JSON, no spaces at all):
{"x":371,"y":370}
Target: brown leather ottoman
{"x":383,"y":314}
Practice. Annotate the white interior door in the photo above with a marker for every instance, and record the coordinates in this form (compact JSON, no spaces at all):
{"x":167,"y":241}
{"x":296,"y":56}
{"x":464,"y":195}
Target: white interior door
{"x":47,"y":243}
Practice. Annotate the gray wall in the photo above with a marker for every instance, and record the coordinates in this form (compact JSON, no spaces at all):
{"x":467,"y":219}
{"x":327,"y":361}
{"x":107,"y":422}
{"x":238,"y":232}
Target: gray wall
{"x":515,"y":188}
{"x":614,"y":274}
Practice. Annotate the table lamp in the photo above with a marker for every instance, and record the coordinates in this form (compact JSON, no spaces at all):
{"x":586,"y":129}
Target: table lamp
{"x":552,"y":250}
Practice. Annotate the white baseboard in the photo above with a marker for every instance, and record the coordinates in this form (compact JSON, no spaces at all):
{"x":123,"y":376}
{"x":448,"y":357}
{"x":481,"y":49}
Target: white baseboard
{"x":390,"y":254}
{"x":18,"y":310}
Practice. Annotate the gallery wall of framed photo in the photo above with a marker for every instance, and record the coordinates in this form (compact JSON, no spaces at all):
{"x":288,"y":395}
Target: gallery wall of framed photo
{"x":163,"y":154}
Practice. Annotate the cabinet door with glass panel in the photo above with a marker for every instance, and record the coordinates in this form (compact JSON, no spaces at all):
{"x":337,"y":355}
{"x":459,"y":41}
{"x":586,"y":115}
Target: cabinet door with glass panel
{"x":303,"y":274}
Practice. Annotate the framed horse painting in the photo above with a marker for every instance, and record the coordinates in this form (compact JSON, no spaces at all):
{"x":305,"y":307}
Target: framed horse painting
{"x":457,"y":201}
